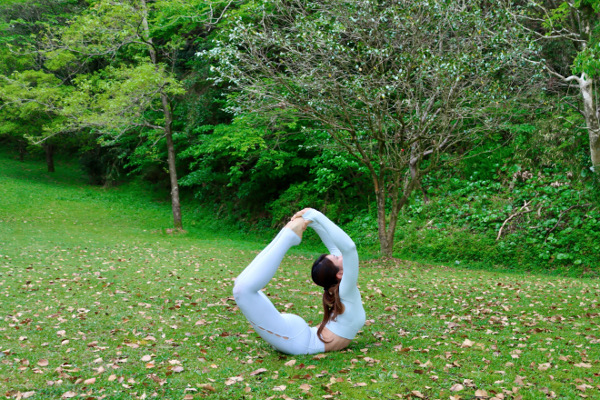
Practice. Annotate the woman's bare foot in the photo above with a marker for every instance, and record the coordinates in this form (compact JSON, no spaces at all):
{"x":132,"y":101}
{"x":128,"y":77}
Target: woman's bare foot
{"x":298,"y":225}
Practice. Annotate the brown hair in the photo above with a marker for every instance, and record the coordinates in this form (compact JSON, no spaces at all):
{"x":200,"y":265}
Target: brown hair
{"x":324,"y":274}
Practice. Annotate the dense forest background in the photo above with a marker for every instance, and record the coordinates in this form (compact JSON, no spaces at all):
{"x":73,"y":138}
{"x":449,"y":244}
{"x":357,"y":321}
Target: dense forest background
{"x":438,"y":131}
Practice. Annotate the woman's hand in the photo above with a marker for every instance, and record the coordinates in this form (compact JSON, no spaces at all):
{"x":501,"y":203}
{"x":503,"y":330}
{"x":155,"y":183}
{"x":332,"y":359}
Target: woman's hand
{"x":300,"y":213}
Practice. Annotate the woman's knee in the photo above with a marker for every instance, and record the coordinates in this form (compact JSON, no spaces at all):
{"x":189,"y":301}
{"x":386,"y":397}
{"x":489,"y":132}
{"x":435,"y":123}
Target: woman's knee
{"x":239,"y":290}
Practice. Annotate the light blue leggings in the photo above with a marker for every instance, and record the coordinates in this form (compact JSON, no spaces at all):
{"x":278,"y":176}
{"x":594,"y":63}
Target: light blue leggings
{"x":288,"y":333}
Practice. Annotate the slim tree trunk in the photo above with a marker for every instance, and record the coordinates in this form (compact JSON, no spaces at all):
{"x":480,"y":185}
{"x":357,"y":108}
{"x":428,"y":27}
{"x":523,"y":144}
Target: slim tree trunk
{"x":166,"y":107}
{"x":175,"y":204}
{"x":590,"y":112}
{"x":49,"y":150}
{"x":22,"y":147}
{"x":386,"y":241}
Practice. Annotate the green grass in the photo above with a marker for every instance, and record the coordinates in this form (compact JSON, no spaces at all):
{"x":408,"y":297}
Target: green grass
{"x":97,"y":301}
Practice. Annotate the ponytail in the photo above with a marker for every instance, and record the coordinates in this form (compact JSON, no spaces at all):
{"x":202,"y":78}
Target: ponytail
{"x":324,"y":274}
{"x":332,"y":307}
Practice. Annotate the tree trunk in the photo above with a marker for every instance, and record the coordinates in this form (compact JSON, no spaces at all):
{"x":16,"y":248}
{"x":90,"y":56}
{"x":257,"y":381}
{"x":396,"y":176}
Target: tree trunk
{"x":590,"y":113}
{"x":175,"y":204}
{"x":386,"y":240}
{"x":22,"y":147}
{"x":49,"y":150}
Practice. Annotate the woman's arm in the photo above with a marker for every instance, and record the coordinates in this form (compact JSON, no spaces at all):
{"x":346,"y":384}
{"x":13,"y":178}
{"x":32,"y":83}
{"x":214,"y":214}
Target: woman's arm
{"x":337,"y":242}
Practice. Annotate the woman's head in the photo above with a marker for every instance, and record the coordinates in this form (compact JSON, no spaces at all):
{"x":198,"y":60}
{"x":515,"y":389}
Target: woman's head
{"x":325,"y":271}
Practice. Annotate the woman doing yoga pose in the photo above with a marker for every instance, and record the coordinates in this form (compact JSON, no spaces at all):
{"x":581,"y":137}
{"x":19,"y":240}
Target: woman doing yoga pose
{"x":336,"y":273}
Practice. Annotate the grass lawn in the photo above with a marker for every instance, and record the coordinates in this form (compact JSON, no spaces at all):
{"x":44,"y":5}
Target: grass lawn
{"x":98,"y":302}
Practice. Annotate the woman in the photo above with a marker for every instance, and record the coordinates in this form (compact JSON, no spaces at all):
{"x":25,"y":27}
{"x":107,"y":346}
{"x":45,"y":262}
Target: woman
{"x":336,"y":272}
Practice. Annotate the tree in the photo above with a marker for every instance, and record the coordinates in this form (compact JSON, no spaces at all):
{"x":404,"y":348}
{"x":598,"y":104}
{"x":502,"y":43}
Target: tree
{"x":574,"y":27}
{"x":136,"y":44}
{"x":29,"y":107}
{"x":397,"y":84}
{"x":28,"y":93}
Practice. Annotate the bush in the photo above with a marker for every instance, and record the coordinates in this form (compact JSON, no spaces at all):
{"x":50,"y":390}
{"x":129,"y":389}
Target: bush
{"x":545,"y":220}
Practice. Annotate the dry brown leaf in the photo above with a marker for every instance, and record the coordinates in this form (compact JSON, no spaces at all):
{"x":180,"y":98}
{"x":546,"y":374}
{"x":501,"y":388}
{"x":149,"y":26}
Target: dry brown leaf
{"x":99,"y":370}
{"x":418,"y":394}
{"x":68,"y":395}
{"x":467,"y":343}
{"x":457,"y":387}
{"x":544,"y":367}
{"x":290,"y":363}
{"x":258,"y":371}
{"x":146,"y":358}
{"x":519,"y":380}
{"x":233,"y":379}
{"x":482,"y":394}
{"x":90,"y":381}
{"x":280,"y":388}
{"x":43,"y":362}
{"x":305,"y":387}
{"x":584,"y":365}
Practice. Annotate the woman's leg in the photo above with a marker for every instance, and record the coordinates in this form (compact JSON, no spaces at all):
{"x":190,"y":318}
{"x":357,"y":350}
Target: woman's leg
{"x":286,"y":332}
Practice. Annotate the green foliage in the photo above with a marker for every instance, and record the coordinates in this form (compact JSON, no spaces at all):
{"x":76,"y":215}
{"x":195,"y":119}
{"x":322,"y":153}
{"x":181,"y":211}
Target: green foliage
{"x":103,"y":101}
{"x":545,"y":220}
{"x":242,"y":162}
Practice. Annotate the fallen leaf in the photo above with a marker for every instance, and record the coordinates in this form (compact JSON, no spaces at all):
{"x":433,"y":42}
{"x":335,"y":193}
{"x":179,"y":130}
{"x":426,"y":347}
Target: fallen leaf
{"x":279,"y":388}
{"x":146,"y":358}
{"x":233,"y":379}
{"x":544,"y":367}
{"x":418,"y":394}
{"x":258,"y":371}
{"x":305,"y":387}
{"x":290,"y":363}
{"x":68,"y":395}
{"x":457,"y":387}
{"x":583,"y":365}
{"x":43,"y":363}
{"x":207,"y":386}
{"x":467,"y":343}
{"x":482,"y":394}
